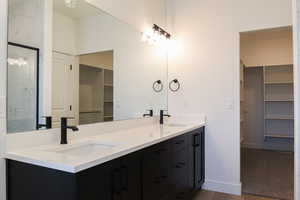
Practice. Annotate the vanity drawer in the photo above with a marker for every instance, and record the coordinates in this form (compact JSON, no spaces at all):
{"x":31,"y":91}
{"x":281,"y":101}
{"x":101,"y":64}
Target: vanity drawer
{"x":179,"y":143}
{"x":158,"y":151}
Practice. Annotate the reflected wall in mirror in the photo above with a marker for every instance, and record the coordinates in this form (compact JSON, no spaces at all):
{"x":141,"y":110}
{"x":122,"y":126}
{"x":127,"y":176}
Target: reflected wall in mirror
{"x":100,"y":69}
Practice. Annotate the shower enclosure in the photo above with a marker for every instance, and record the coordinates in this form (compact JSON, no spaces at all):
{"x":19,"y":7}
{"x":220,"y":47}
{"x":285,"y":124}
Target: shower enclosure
{"x":23,"y":87}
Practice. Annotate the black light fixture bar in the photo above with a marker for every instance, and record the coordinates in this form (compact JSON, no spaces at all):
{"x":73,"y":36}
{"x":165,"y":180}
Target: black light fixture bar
{"x":161,"y":31}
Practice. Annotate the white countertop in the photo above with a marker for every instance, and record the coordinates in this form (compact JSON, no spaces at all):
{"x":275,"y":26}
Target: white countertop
{"x":116,"y":144}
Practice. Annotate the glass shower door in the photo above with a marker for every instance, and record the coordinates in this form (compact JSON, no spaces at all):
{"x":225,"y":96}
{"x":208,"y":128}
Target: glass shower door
{"x":22,"y":92}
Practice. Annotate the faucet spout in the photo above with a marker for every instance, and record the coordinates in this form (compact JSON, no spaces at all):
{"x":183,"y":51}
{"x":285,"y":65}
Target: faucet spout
{"x":64,"y":130}
{"x":162,"y":115}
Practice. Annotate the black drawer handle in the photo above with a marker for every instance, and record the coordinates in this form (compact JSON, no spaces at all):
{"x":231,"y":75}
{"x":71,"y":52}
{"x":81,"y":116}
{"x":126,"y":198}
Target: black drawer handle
{"x":124,"y":172}
{"x":160,"y":151}
{"x":180,"y":195}
{"x":180,"y":165}
{"x":164,"y":177}
{"x":196,"y":140}
{"x":116,"y":176}
{"x":179,"y":142}
{"x":157,"y":180}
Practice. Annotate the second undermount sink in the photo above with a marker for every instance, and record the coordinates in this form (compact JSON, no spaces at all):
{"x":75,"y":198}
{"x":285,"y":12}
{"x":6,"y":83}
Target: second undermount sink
{"x":84,"y":149}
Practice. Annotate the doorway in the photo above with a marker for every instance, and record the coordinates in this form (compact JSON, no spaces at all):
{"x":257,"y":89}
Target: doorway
{"x":96,"y":87}
{"x":267,"y":113}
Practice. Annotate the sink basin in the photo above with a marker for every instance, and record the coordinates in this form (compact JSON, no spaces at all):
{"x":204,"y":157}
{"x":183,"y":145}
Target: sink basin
{"x":84,"y":150}
{"x":175,"y":125}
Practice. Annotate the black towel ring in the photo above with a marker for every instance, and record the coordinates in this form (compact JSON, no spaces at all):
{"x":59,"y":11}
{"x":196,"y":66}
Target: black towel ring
{"x":158,"y":86}
{"x":174,"y":82}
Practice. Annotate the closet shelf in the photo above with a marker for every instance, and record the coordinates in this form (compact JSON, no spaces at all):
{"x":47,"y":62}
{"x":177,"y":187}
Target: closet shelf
{"x":108,"y":85}
{"x":279,"y":100}
{"x":278,"y":82}
{"x":279,"y":117}
{"x":108,"y":102}
{"x":91,"y":111}
{"x":279,"y":136}
{"x":108,"y":116}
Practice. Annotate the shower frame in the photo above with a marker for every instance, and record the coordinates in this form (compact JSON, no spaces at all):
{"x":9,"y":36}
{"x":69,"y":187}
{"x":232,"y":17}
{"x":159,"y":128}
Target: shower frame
{"x":37,"y":50}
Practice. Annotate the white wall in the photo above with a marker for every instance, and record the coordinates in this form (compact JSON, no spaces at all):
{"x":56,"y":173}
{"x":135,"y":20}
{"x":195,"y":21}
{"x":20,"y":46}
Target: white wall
{"x":136,"y":64}
{"x":64,"y":34}
{"x":3,"y":45}
{"x":139,"y":13}
{"x":267,"y":47}
{"x":207,"y":64}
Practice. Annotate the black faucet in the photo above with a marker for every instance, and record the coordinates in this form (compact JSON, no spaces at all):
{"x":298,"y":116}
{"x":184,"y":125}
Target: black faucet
{"x":150,"y":114}
{"x":64,"y":129}
{"x":162,"y":115}
{"x":48,"y":124}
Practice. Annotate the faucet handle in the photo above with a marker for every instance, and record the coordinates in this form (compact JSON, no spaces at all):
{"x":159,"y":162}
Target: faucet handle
{"x":48,"y":124}
{"x":149,"y":114}
{"x":163,"y":111}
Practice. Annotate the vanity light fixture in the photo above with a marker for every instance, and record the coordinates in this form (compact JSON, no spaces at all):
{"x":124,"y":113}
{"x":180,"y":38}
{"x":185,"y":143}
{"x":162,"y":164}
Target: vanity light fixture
{"x":71,"y":3}
{"x":20,"y":62}
{"x":156,"y":36}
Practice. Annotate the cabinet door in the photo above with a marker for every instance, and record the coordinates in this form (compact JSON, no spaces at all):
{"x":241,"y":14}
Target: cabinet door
{"x":92,"y":183}
{"x":157,"y":162}
{"x":131,"y":186}
{"x":191,"y":162}
{"x":199,"y":158}
{"x":179,"y":175}
{"x":114,"y":186}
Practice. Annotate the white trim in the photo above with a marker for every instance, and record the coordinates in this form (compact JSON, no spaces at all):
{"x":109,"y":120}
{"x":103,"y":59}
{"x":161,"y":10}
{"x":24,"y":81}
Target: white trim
{"x":3,"y":52}
{"x":229,"y":188}
{"x":296,"y":101}
{"x":47,"y":61}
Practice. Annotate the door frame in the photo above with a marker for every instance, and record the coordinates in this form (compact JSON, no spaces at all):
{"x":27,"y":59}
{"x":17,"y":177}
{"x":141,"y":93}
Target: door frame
{"x":37,"y":51}
{"x":296,"y":53}
{"x":3,"y":57}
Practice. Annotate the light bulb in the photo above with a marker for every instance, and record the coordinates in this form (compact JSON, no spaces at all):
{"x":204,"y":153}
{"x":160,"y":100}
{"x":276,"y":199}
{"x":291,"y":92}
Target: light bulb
{"x":71,"y":3}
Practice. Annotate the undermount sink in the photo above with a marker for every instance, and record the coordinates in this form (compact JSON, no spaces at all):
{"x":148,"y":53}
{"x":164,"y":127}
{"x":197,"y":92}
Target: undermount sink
{"x":84,"y":149}
{"x":175,"y":125}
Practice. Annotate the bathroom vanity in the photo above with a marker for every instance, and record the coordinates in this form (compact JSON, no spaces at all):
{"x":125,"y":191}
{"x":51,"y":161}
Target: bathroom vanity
{"x":165,"y":164}
{"x":98,"y":70}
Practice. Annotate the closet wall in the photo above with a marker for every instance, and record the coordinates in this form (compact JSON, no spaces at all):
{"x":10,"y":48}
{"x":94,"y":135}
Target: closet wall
{"x":268,"y":100}
{"x":96,"y":87}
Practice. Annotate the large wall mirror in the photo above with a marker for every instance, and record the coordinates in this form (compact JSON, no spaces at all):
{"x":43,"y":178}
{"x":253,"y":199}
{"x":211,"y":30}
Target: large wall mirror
{"x":100,"y":69}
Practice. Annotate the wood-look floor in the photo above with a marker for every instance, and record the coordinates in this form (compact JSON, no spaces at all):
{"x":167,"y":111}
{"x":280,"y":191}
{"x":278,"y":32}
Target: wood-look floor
{"x":268,"y":173}
{"x":207,"y":195}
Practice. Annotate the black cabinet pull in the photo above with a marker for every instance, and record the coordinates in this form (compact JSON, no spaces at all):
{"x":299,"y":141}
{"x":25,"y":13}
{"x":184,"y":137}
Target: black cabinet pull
{"x":196,"y":140}
{"x":158,"y":152}
{"x":116,"y":181}
{"x":178,"y":166}
{"x":157,"y":180}
{"x":180,"y":195}
{"x":164,"y":177}
{"x":124,"y":172}
{"x":179,"y":142}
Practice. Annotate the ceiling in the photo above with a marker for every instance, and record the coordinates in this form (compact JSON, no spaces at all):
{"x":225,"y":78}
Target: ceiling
{"x":83,"y":9}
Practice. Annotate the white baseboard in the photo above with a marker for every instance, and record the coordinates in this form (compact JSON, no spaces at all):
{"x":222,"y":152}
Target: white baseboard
{"x":217,"y":186}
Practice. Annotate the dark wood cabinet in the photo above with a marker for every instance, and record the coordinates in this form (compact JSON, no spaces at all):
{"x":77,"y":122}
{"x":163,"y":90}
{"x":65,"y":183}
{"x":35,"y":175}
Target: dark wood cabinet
{"x":171,"y":170}
{"x":199,"y":158}
{"x":156,"y":171}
